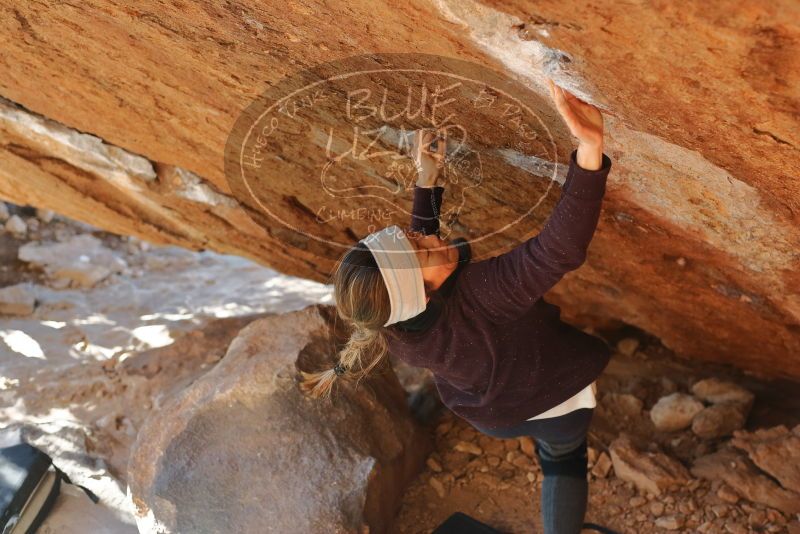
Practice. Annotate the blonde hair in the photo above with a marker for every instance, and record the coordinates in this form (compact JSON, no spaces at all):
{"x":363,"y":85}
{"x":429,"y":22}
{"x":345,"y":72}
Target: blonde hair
{"x":363,"y":301}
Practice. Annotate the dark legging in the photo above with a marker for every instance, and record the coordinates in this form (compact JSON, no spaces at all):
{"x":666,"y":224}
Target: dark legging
{"x":561,"y":448}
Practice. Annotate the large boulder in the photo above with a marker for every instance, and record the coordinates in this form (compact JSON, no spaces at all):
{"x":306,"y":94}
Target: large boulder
{"x":736,"y":470}
{"x":776,"y":451}
{"x":698,"y":240}
{"x":243,"y":450}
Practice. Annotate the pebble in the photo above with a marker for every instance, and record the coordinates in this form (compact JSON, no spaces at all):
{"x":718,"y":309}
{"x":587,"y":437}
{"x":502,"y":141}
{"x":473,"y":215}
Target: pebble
{"x":16,"y":225}
{"x":775,"y":516}
{"x":4,"y":214}
{"x":438,"y":487}
{"x":531,"y":477}
{"x":628,"y":346}
{"x":523,"y":462}
{"x":727,"y":494}
{"x":434,"y":465}
{"x":444,"y":428}
{"x":657,"y":508}
{"x":17,"y":300}
{"x":637,"y":501}
{"x":527,"y":445}
{"x":44,"y":215}
{"x":717,"y":391}
{"x":591,"y":455}
{"x":719,"y":510}
{"x":494,"y":461}
{"x":705,"y":527}
{"x":471,"y":448}
{"x":735,"y":528}
{"x":670,"y":522}
{"x":757,"y":518}
{"x":602,"y":466}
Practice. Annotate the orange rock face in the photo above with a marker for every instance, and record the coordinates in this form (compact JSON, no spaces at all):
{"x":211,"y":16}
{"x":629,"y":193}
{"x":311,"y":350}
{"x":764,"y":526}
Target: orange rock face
{"x":119,"y":116}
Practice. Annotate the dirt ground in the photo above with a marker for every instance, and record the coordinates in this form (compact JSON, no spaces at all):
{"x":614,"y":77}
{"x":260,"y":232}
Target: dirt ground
{"x":499,"y":482}
{"x":103,"y":403}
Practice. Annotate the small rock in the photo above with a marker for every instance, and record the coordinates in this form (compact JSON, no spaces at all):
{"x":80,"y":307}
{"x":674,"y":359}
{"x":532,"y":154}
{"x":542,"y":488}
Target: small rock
{"x":627,"y":346}
{"x":44,"y":215}
{"x":466,"y":446}
{"x":17,"y":300}
{"x":637,"y":501}
{"x":531,"y":476}
{"x":78,"y":275}
{"x":528,"y":446}
{"x":757,"y":518}
{"x":715,"y":391}
{"x":670,"y":522}
{"x":735,"y":528}
{"x":675,"y":412}
{"x":775,"y":516}
{"x":444,"y":428}
{"x":727,"y":494}
{"x":494,"y":461}
{"x":657,"y":508}
{"x":591,"y":455}
{"x":32,"y":223}
{"x":434,"y":465}
{"x":522,"y":461}
{"x":719,"y":510}
{"x":4,"y":214}
{"x":438,"y":487}
{"x":720,"y":420}
{"x":602,"y":466}
{"x":16,"y":225}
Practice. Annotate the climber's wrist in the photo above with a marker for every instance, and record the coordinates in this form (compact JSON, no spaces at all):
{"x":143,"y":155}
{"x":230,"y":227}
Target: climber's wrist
{"x":590,"y":155}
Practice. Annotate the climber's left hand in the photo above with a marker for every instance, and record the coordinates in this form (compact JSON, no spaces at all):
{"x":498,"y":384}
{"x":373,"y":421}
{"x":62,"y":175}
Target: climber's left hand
{"x":428,"y":162}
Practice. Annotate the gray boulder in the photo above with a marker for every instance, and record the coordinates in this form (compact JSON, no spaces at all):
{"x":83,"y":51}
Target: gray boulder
{"x":243,"y":450}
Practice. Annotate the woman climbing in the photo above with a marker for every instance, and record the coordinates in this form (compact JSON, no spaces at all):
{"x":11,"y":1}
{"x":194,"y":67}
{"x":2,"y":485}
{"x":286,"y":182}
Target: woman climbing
{"x":501,"y":357}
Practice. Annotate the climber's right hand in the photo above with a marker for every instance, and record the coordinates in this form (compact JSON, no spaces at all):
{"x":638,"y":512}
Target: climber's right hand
{"x":584,"y":122}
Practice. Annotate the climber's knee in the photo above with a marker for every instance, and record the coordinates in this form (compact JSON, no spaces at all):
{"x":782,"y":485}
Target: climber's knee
{"x":574,"y":463}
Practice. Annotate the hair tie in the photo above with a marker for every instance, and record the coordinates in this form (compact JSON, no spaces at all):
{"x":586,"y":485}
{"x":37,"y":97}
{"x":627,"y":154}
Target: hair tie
{"x":339,"y":369}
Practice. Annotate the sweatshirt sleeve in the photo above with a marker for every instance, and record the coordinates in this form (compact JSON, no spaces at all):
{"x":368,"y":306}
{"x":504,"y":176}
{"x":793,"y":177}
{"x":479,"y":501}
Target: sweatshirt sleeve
{"x":505,"y":286}
{"x":425,"y":209}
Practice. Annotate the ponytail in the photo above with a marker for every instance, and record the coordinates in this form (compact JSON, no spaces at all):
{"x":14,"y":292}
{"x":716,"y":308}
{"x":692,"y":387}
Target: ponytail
{"x":365,"y":349}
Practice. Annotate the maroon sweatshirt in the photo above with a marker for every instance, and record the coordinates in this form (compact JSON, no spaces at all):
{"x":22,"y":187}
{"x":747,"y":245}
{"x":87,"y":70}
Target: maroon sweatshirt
{"x":499,"y":353}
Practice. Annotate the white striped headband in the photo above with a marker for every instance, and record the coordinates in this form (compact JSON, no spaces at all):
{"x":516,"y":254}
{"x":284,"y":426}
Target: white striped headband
{"x":401,"y":271}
